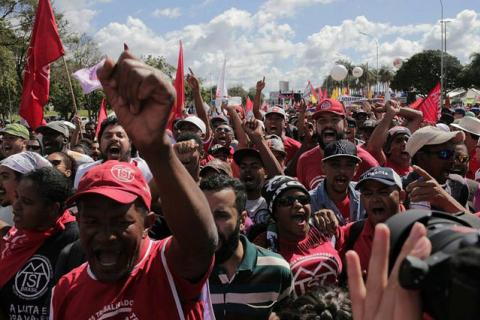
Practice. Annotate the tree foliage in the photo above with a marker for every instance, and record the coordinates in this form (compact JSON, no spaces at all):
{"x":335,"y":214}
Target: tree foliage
{"x":422,"y":72}
{"x":470,"y":75}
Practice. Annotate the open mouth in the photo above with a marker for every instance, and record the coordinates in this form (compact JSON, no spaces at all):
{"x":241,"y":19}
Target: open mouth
{"x":107,"y":258}
{"x":329,"y":135}
{"x":7,"y":148}
{"x":404,"y":155}
{"x":2,"y":192}
{"x":114,"y":150}
{"x":342,"y":180}
{"x":299,"y":218}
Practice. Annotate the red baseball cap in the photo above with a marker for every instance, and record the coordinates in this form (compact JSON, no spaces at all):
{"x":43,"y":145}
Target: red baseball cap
{"x":120,"y":181}
{"x":329,"y":105}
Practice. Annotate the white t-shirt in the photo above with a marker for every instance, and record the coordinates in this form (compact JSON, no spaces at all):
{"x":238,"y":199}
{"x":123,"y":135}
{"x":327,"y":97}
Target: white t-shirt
{"x":139,"y":162}
{"x":257,"y":210}
{"x":6,"y":215}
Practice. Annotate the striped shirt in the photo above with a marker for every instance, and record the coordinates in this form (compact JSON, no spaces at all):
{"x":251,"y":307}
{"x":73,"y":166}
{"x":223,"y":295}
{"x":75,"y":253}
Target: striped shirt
{"x":263,"y":278}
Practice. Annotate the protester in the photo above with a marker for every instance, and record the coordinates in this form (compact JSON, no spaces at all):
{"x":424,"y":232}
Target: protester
{"x":189,"y":150}
{"x":115,"y":144}
{"x":330,"y":126}
{"x":31,"y":247}
{"x":35,"y":145}
{"x":90,"y":128}
{"x":471,"y":127}
{"x":337,"y":191}
{"x":126,"y":272}
{"x":11,"y":170}
{"x":14,"y":139}
{"x":243,"y":273}
{"x":56,"y":136}
{"x":63,"y":163}
{"x":431,"y":184}
{"x":312,"y":257}
{"x":216,"y":166}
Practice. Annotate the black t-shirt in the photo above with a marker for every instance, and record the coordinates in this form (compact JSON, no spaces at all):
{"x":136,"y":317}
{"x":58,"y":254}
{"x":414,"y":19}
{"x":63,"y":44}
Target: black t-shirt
{"x":27,"y":294}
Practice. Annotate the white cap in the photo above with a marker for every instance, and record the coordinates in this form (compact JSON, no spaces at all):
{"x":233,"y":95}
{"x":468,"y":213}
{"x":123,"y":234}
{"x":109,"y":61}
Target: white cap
{"x":431,"y":136}
{"x":468,"y":124}
{"x":443,"y":126}
{"x":196,"y":121}
{"x":25,"y":162}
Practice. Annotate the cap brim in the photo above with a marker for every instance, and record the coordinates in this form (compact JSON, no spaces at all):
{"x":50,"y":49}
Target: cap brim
{"x":117,"y":195}
{"x":317,"y":113}
{"x":242,"y":153}
{"x":343,"y":155}
{"x":274,"y":112}
{"x":383,"y":181}
{"x":455,"y":125}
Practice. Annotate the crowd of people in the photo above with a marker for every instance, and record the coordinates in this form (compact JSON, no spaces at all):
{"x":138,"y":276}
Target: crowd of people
{"x":277,"y":214}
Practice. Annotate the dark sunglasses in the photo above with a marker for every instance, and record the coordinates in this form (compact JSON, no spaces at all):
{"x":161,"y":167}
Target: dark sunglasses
{"x":461,"y":158}
{"x":445,"y":154}
{"x":29,"y":148}
{"x":290,"y":200}
{"x":55,"y":162}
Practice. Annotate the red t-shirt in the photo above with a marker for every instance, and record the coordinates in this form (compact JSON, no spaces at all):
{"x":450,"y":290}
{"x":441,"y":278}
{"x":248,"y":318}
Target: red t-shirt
{"x":309,"y":168}
{"x":314,"y":261}
{"x":344,"y":207}
{"x":402,"y":171}
{"x":291,"y":147}
{"x":473,"y":166}
{"x":144,"y":294}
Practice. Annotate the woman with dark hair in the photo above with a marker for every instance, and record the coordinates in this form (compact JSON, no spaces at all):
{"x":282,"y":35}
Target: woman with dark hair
{"x":30,"y":249}
{"x":312,"y":257}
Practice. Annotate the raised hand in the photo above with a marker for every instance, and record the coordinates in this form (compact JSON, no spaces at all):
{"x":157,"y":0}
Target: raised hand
{"x":193,"y":81}
{"x":185,"y":150}
{"x":141,"y":96}
{"x":261,"y":84}
{"x":253,"y":129}
{"x":382,"y":297}
{"x":392,"y":108}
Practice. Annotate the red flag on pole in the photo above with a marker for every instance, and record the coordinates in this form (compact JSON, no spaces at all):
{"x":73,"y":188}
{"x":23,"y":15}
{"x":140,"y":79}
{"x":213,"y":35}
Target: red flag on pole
{"x":45,"y":47}
{"x":325,"y":93}
{"x":179,"y":85}
{"x":320,"y":94}
{"x":102,"y":115}
{"x":430,"y":106}
{"x":248,"y":105}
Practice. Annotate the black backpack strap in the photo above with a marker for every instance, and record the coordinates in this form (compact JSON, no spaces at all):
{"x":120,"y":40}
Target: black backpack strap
{"x":355,"y":230}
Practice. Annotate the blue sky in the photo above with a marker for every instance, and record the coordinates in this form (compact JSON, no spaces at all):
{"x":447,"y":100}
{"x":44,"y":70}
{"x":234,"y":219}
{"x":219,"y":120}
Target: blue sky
{"x":295,"y":40}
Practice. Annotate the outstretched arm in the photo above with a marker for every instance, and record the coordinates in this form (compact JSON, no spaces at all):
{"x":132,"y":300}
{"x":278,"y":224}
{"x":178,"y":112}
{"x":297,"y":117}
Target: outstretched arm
{"x":142,"y":98}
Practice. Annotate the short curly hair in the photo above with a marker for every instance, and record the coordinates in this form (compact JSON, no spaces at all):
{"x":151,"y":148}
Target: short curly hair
{"x":52,"y":185}
{"x":324,"y":303}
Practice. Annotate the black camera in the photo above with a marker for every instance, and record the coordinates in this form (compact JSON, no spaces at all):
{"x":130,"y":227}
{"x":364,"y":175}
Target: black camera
{"x":449,"y":279}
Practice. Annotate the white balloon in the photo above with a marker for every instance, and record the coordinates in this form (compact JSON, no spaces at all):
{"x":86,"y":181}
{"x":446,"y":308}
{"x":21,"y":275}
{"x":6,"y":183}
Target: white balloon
{"x":357,"y":72}
{"x":339,"y":72}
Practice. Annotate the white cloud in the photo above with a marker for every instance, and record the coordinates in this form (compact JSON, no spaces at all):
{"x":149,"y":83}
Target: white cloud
{"x":167,"y":12}
{"x":255,"y":46}
{"x":79,"y":13}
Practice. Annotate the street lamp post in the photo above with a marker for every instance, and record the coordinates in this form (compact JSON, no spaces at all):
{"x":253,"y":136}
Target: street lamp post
{"x":441,"y":56}
{"x":377,"y":44}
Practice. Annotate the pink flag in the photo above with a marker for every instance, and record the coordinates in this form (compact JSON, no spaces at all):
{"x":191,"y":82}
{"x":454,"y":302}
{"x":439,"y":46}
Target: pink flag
{"x":325,"y":93}
{"x":88,"y":78}
{"x":430,"y":106}
{"x":320,"y":94}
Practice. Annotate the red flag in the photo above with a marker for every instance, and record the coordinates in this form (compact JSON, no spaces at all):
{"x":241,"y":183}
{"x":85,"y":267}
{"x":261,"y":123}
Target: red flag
{"x":248,"y":105}
{"x":102,"y":115}
{"x":320,"y":94}
{"x":45,"y":47}
{"x":325,"y":93}
{"x":179,"y":87}
{"x":430,"y":106}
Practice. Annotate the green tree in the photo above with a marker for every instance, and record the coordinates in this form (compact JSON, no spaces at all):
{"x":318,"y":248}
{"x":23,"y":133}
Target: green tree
{"x":422,"y":72}
{"x":470,"y":75}
{"x":238,"y":91}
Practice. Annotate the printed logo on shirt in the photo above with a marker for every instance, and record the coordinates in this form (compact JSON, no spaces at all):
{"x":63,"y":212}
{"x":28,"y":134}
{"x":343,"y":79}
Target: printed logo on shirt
{"x":119,"y":310}
{"x":313,"y":271}
{"x":122,"y":173}
{"x":31,"y":282}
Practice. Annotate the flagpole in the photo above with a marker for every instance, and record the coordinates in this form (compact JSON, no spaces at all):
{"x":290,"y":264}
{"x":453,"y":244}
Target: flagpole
{"x":70,"y":85}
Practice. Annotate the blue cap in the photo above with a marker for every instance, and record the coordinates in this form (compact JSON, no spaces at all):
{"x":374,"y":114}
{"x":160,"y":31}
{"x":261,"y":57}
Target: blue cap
{"x":383,"y":175}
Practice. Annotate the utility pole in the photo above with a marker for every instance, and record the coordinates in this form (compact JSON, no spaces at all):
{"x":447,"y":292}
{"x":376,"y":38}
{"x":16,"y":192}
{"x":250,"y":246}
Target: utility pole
{"x":441,"y":57}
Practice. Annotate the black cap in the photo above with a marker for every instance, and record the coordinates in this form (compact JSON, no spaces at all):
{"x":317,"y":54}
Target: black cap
{"x":340,"y":148}
{"x":242,"y":153}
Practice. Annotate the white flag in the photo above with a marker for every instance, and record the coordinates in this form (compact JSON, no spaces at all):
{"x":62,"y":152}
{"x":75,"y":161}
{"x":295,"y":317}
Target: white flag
{"x":221,"y":92}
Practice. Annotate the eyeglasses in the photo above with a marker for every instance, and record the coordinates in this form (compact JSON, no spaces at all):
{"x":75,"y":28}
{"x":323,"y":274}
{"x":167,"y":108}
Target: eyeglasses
{"x":290,"y":200}
{"x":445,"y":154}
{"x":461,"y":158}
{"x":225,"y":130}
